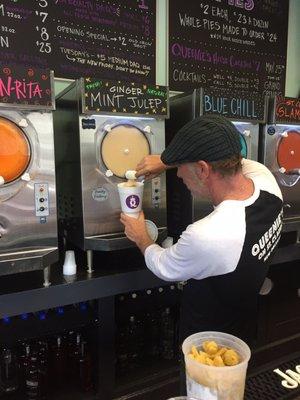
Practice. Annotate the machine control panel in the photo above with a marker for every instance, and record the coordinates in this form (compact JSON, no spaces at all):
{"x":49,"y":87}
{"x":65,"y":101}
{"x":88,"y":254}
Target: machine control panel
{"x":41,"y":196}
{"x":156,"y":189}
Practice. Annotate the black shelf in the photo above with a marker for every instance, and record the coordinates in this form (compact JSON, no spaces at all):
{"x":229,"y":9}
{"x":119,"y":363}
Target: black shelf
{"x":24,"y":292}
{"x":65,"y":394}
{"x":114,"y":273}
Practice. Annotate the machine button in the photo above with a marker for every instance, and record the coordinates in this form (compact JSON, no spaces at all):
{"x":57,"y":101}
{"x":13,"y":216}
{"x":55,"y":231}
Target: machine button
{"x":42,"y":208}
{"x":156,"y":190}
{"x":156,"y":198}
{"x":42,"y":199}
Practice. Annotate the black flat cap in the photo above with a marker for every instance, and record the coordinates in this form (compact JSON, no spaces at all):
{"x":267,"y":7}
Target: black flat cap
{"x":207,"y":138}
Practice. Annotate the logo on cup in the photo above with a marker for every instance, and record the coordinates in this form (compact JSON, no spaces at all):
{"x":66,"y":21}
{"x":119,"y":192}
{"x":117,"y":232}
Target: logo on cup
{"x":132,"y":201}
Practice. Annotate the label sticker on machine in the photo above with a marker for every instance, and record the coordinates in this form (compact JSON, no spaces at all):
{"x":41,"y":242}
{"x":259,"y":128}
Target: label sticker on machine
{"x":100,"y":194}
{"x":41,"y":197}
{"x":88,"y":123}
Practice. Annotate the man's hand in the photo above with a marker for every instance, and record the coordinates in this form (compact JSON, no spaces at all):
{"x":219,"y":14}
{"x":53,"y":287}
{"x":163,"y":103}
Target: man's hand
{"x":150,"y":166}
{"x":135,"y":230}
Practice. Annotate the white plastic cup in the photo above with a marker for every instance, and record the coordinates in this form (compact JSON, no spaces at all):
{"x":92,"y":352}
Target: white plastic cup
{"x":215,"y":383}
{"x":131,"y":198}
{"x":69,"y":267}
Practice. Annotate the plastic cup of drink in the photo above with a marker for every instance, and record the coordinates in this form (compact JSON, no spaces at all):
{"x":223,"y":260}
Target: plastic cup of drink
{"x":215,"y":383}
{"x":131,"y":198}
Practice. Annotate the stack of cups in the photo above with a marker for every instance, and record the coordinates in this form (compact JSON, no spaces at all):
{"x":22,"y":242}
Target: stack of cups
{"x":69,"y":267}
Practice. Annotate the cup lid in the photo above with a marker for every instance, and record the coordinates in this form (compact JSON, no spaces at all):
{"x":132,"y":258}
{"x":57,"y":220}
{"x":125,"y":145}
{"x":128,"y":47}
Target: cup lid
{"x":151,"y":229}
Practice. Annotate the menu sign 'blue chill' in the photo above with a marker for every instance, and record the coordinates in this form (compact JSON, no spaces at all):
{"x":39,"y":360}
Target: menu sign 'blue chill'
{"x":111,"y":39}
{"x":230,"y":44}
{"x":243,"y":106}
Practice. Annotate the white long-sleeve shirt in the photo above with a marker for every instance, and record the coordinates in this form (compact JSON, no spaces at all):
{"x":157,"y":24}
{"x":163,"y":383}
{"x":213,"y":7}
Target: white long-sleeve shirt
{"x":213,"y":245}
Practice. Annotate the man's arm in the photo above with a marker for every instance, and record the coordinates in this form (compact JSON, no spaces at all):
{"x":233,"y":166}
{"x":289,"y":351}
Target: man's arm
{"x":196,"y":255}
{"x":151,"y":166}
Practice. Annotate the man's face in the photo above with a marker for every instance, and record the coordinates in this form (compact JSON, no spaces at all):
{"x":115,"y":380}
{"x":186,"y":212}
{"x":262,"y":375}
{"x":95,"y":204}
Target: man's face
{"x":187,"y":172}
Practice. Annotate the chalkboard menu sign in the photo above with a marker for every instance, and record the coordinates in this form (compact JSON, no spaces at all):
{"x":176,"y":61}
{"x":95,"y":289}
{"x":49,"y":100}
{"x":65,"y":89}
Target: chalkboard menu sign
{"x":106,"y":96}
{"x":242,"y":106}
{"x":26,"y":87}
{"x":113,"y":39}
{"x":232,"y":44}
{"x":287,"y":109}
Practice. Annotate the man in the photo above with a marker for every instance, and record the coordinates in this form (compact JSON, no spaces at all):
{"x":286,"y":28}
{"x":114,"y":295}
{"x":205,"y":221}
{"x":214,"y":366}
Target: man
{"x":224,"y":257}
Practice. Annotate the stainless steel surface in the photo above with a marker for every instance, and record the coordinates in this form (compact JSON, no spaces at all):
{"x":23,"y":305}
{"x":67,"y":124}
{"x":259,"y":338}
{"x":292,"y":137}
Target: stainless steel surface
{"x":29,"y":260}
{"x":116,"y":241}
{"x":289,"y":182}
{"x":89,"y":204}
{"x":20,"y":227}
{"x":101,"y":214}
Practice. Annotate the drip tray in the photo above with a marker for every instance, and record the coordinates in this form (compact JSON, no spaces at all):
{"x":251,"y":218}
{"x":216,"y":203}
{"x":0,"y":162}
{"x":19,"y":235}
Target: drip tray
{"x":27,"y":260}
{"x":266,"y":385}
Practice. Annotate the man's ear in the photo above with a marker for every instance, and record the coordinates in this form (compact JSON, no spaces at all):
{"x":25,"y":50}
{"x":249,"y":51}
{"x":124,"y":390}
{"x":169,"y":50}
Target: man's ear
{"x":202,"y":170}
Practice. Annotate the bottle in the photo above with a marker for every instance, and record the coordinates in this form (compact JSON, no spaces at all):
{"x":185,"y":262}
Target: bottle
{"x":32,"y":378}
{"x":122,"y":350}
{"x":152,"y":334}
{"x":23,"y":363}
{"x":167,"y":335}
{"x":9,"y":375}
{"x":134,"y":340}
{"x":148,"y":303}
{"x":43,"y":371}
{"x":58,"y":363}
{"x":69,"y":339}
{"x":85,"y":369}
{"x":73,"y":358}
